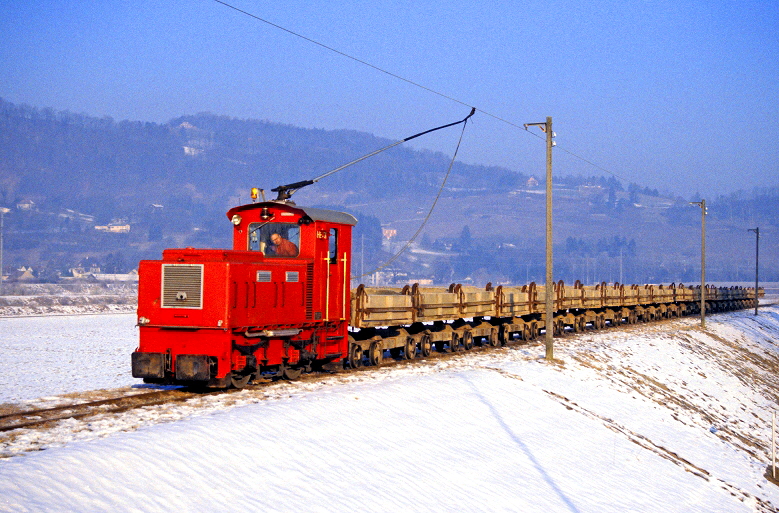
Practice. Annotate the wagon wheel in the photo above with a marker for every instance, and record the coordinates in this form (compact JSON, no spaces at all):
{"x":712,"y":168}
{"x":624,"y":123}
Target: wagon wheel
{"x":494,"y":339}
{"x":375,"y":353}
{"x":468,"y":340}
{"x":425,"y":346}
{"x":355,"y":356}
{"x":505,"y":336}
{"x":559,"y":328}
{"x":601,"y":322}
{"x":410,"y":349}
{"x":577,"y":325}
{"x":533,"y":330}
{"x":238,"y":380}
{"x":290,"y":372}
{"x":526,"y":335}
{"x":454,"y":343}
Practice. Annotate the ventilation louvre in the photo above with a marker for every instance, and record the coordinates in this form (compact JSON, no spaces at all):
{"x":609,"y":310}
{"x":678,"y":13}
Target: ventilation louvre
{"x":182,"y":286}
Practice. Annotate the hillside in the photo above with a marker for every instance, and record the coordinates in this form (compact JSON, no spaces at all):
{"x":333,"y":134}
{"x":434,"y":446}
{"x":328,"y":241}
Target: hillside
{"x":660,"y":417}
{"x":83,"y":188}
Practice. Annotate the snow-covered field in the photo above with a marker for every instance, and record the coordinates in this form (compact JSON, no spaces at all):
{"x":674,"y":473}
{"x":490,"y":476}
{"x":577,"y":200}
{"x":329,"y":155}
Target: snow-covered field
{"x":660,"y":417}
{"x":59,"y":354}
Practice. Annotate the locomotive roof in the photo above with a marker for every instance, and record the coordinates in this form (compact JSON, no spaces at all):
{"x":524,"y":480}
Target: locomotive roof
{"x":316,"y":214}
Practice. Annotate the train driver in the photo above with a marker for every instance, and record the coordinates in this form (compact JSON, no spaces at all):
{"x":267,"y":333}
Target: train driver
{"x":283,"y":247}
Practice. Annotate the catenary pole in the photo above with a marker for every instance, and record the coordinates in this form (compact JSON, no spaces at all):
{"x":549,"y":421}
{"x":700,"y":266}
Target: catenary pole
{"x":757,"y":264}
{"x":549,"y":287}
{"x":548,"y":342}
{"x":3,"y":211}
{"x":702,"y":204}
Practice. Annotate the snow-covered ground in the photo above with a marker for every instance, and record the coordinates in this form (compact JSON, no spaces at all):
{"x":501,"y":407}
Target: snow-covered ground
{"x":660,"y":417}
{"x":49,"y":355}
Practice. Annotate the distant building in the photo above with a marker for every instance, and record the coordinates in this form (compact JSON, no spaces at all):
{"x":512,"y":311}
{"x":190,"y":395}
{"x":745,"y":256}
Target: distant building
{"x":124,"y":277}
{"x":531,"y":182}
{"x":26,"y":205}
{"x":389,"y":233}
{"x":84,"y":270}
{"x":114,"y":228}
{"x":22,"y":274}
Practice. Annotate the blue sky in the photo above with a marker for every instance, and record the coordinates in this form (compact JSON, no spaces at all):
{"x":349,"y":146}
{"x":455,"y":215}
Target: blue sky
{"x":679,"y":95}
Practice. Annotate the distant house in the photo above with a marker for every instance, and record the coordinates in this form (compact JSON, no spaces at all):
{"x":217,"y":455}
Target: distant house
{"x":114,"y":228}
{"x":124,"y":277}
{"x":23,"y":274}
{"x":84,"y":270}
{"x":26,"y":205}
{"x":531,"y":182}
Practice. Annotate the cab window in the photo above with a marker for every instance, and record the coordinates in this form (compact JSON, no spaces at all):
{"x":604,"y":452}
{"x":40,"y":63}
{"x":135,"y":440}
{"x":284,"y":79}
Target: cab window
{"x":275,"y":239}
{"x":333,"y":246}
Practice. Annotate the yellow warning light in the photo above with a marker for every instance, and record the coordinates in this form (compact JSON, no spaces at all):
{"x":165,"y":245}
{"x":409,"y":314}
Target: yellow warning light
{"x":255,"y":193}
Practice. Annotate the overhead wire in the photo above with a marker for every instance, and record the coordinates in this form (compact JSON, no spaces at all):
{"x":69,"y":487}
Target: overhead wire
{"x":408,"y":81}
{"x":429,"y":212}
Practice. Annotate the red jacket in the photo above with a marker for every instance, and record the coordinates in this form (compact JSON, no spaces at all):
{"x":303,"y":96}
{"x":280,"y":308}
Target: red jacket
{"x":285,"y":248}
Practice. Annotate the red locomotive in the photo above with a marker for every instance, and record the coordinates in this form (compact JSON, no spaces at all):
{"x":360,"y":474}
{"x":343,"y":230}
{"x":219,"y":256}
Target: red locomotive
{"x":276,"y":304}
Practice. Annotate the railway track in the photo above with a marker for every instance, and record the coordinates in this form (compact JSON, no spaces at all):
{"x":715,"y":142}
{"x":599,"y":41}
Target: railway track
{"x":48,"y":416}
{"x":39,"y":417}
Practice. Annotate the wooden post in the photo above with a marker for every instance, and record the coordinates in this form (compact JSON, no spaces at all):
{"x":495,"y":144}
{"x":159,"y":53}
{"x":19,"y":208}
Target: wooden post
{"x":546,"y":127}
{"x":549,"y":275}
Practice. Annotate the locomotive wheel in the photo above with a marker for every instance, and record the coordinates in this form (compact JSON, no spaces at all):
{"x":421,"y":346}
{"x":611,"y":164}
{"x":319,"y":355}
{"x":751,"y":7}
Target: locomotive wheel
{"x":238,"y":381}
{"x":291,"y":373}
{"x":375,"y":353}
{"x":355,"y":356}
{"x":425,"y":346}
{"x":468,"y":340}
{"x":410,"y":349}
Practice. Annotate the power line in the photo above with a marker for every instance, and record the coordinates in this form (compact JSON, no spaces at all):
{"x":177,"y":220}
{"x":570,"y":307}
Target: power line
{"x":408,"y":81}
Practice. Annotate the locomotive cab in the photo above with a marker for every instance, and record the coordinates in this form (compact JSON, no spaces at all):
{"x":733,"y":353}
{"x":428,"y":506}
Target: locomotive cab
{"x":276,"y":304}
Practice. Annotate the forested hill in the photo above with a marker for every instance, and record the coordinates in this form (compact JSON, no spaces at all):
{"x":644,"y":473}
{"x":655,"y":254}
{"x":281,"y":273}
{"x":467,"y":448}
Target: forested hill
{"x":85,"y":188}
{"x":115,"y":169}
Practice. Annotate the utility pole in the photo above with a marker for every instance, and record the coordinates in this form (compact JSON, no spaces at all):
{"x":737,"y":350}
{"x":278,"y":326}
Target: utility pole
{"x":3,"y":212}
{"x":702,"y":204}
{"x":757,"y":263}
{"x":549,"y":288}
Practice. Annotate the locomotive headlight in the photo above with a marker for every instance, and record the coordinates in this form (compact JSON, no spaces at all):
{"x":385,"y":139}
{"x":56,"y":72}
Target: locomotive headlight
{"x":236,"y":219}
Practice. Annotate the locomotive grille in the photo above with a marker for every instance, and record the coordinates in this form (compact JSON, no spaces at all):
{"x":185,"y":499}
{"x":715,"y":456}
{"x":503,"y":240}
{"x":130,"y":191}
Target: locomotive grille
{"x":182,"y":286}
{"x":309,"y":291}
